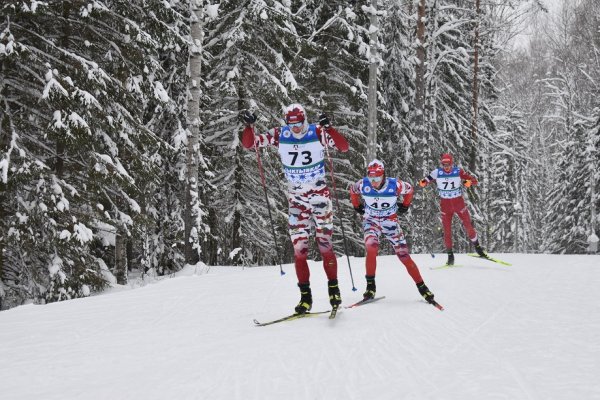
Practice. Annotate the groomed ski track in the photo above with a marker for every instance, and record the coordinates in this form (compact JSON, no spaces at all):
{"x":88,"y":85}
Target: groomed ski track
{"x":528,"y":331}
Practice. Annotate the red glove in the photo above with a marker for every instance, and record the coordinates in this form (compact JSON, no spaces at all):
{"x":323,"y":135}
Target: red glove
{"x":248,"y":138}
{"x":340,"y":142}
{"x":467,"y":183}
{"x":423,"y":182}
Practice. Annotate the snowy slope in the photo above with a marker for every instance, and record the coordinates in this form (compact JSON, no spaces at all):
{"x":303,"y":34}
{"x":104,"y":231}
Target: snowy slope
{"x":530,"y":331}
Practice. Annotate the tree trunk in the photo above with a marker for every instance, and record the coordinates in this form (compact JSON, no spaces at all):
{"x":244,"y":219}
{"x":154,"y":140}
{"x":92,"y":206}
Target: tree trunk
{"x":192,"y":233}
{"x":419,"y":115}
{"x":64,"y":40}
{"x":475,"y":96}
{"x":236,"y":223}
{"x":5,"y":131}
{"x":120,"y":270}
{"x":2,"y":229}
{"x":372,"y":95}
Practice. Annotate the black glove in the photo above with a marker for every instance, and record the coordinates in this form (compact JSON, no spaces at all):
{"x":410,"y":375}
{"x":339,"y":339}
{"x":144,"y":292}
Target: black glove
{"x":249,"y":118}
{"x":402,"y":209}
{"x":324,"y":120}
{"x":360,"y":209}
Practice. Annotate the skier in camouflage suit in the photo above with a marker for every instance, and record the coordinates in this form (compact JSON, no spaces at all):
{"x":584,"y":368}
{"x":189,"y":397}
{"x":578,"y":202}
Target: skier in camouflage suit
{"x":301,"y":148}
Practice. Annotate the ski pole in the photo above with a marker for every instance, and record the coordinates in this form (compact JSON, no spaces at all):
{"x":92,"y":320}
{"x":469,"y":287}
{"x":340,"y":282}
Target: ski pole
{"x":337,"y":203}
{"x":264,"y":185}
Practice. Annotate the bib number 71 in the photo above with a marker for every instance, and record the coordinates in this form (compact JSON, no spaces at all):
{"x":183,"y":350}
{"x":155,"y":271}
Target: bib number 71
{"x":446,"y":185}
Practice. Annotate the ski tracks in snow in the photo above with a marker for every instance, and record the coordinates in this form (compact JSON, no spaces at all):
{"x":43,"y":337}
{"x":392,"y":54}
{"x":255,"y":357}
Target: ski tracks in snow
{"x":472,"y":343}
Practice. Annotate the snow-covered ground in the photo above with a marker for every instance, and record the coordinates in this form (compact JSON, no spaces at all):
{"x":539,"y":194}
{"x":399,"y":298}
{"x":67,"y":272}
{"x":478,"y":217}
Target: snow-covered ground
{"x":530,"y":331}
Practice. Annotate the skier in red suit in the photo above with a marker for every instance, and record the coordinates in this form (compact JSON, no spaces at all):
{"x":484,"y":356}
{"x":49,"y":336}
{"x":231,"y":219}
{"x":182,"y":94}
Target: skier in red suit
{"x":301,"y":148}
{"x":450,"y":180}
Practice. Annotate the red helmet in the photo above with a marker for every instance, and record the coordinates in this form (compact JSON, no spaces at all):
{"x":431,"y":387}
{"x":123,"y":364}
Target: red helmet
{"x":294,"y":114}
{"x":375,"y":168}
{"x":447,"y":159}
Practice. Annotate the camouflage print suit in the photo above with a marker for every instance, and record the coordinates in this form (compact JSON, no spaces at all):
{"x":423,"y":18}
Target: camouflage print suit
{"x":309,"y":197}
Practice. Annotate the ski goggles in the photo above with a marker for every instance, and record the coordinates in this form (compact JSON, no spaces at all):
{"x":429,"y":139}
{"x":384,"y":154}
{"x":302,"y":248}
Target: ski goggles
{"x":375,"y":179}
{"x":296,"y":124}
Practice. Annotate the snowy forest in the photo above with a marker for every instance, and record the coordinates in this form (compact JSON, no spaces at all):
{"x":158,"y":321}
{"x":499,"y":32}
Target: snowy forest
{"x":120,"y":125}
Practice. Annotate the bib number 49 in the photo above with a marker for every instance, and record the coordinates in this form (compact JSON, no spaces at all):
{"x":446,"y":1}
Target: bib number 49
{"x":383,"y":206}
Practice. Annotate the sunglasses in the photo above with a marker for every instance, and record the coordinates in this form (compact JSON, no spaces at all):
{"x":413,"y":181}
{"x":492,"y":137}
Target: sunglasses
{"x":296,"y":124}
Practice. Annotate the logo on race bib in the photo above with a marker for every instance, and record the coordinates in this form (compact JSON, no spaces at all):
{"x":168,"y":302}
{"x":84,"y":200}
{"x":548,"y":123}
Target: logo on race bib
{"x":286,"y":134}
{"x":367,"y":189}
{"x":295,"y":147}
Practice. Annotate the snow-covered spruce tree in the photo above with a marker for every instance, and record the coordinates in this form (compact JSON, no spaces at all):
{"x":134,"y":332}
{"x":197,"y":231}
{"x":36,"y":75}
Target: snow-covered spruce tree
{"x":572,"y":73}
{"x":448,"y":77}
{"x":593,"y":155}
{"x":335,"y":48}
{"x":74,"y":147}
{"x":570,"y":213}
{"x":160,"y":247}
{"x":521,"y":150}
{"x":440,"y":110}
{"x":252,"y":45}
{"x":397,"y":91}
{"x":403,"y":144}
{"x":510,"y":172}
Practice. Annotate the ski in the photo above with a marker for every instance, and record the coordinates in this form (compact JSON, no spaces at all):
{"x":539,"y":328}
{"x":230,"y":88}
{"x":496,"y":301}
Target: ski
{"x":435,"y":304}
{"x":289,"y":318}
{"x":334,"y":310}
{"x":445,"y":266}
{"x":489,"y":258}
{"x":360,"y":303}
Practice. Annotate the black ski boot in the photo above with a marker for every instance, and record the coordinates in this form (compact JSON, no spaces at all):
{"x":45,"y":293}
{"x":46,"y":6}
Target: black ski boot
{"x":450,"y":257}
{"x":335,"y":299}
{"x":479,"y":249}
{"x":370,"y":292}
{"x":424,"y":290}
{"x":305,"y":303}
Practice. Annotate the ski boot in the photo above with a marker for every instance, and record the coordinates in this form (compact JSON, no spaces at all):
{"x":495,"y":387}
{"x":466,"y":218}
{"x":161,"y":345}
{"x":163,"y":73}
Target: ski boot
{"x":479,"y":249}
{"x":335,"y":299}
{"x":305,"y":303}
{"x":450,"y":257}
{"x":424,"y":290}
{"x":370,"y":292}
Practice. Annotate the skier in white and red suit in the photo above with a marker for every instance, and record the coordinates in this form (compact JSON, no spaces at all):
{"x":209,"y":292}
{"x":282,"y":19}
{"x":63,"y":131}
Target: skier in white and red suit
{"x":450,"y":180}
{"x":302,"y":149}
{"x":380,"y":217}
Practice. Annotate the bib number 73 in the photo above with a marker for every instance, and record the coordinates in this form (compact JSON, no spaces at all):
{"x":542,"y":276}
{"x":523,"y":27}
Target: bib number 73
{"x":305,"y":159}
